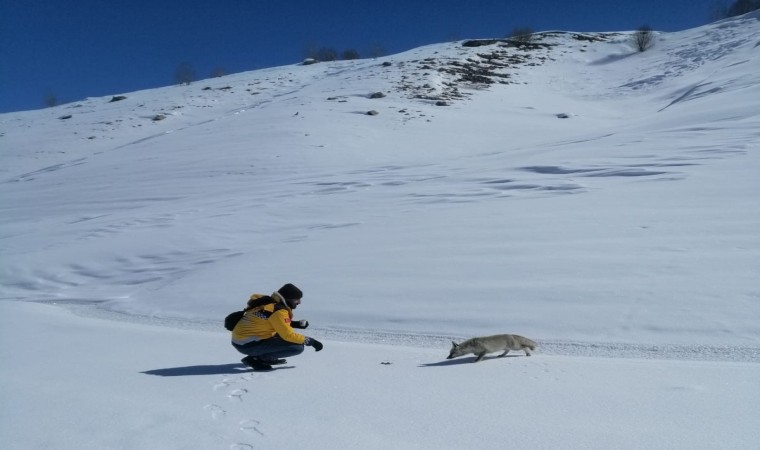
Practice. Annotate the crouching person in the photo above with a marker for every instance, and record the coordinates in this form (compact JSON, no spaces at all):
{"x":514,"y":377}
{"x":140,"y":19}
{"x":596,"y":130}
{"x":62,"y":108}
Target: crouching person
{"x":265,"y":333}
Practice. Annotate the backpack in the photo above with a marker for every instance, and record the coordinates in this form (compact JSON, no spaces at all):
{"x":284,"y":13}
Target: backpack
{"x":233,"y":318}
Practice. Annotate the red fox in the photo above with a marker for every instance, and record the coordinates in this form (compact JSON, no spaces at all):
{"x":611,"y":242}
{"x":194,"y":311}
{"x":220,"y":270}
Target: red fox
{"x":489,"y":344}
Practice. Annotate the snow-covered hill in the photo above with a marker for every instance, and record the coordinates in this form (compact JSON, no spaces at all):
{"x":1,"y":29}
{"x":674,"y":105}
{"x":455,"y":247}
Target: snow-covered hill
{"x":492,"y":206}
{"x":601,"y":201}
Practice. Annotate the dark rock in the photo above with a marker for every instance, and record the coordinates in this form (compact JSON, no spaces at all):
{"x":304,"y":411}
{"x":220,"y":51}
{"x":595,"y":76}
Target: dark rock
{"x":372,"y":113}
{"x":480,"y":42}
{"x":118,"y":98}
{"x":377,"y":95}
{"x":67,"y":116}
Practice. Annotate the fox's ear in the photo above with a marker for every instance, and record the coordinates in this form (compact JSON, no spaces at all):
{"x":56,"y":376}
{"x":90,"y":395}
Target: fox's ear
{"x":454,"y":344}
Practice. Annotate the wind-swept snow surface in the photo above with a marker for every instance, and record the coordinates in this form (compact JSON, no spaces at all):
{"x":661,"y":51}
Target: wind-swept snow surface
{"x":84,"y":383}
{"x":600,"y":201}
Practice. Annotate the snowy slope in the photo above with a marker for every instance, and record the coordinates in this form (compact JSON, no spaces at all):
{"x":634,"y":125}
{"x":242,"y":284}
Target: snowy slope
{"x":493,"y":201}
{"x":623,"y":238}
{"x":125,"y":385}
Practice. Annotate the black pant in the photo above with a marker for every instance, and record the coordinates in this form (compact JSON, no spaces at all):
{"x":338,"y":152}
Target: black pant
{"x":272,"y":348}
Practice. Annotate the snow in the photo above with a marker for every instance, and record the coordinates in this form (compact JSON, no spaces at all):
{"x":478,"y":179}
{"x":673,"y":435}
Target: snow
{"x":80,"y":382}
{"x":623,"y":239}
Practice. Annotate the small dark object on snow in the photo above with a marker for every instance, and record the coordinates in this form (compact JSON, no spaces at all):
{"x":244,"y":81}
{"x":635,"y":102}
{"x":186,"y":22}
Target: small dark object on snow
{"x":563,"y":116}
{"x":386,"y":363}
{"x":377,"y":95}
{"x":67,"y":116}
{"x":479,"y":42}
{"x":117,"y":98}
{"x":372,"y":113}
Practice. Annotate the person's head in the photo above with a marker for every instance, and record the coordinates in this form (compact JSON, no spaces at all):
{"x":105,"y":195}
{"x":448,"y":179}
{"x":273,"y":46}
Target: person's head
{"x":291,"y":294}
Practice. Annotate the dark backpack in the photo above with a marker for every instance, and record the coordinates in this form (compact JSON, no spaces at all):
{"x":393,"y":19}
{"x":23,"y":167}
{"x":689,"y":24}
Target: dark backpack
{"x":232,"y":319}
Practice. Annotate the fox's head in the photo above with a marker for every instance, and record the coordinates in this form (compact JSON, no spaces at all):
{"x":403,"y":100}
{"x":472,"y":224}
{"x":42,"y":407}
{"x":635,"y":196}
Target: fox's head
{"x":456,"y":350}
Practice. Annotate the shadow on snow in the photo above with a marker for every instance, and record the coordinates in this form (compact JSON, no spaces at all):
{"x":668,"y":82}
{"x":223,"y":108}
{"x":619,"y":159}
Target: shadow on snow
{"x":455,"y":362}
{"x":218,"y":369}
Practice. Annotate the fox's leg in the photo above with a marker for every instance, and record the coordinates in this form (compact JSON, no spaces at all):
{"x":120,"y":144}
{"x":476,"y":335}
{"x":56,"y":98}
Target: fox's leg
{"x":505,"y":353}
{"x":527,"y":351}
{"x":481,"y":355}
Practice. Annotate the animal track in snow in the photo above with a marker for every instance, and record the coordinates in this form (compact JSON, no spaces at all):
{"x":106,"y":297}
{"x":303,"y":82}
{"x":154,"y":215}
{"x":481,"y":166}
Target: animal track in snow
{"x":221,"y":386}
{"x":216,"y":411}
{"x":251,"y":426}
{"x":228,"y":419}
{"x":226,"y":382}
{"x":237,"y":394}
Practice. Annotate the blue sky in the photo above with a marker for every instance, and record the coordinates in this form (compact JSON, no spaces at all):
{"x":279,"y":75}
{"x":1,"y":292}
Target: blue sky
{"x":86,"y":48}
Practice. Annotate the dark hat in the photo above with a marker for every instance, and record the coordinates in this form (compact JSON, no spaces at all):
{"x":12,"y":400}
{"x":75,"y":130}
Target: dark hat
{"x":290,"y":292}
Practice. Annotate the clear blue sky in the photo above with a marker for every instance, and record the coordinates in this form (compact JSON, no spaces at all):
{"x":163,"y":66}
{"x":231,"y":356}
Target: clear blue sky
{"x":86,"y":48}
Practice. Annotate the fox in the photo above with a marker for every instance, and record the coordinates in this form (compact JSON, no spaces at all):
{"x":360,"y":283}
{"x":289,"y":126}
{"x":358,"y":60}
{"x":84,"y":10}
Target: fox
{"x":489,"y":344}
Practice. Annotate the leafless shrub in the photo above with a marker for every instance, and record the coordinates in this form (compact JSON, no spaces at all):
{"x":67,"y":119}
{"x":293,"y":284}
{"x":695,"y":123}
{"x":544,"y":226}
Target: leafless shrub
{"x":643,"y":38}
{"x":376,"y":50}
{"x":50,"y":99}
{"x":718,"y":10}
{"x":327,"y":54}
{"x":185,"y":73}
{"x":740,"y":7}
{"x":218,"y":72}
{"x":349,"y":54}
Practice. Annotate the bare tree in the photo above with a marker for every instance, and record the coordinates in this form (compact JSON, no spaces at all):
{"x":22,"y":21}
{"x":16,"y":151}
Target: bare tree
{"x":720,"y":10}
{"x":310,"y":50}
{"x":376,"y":50}
{"x":218,"y":72}
{"x":185,"y":73}
{"x":327,"y":54}
{"x":643,"y":38}
{"x":349,"y":54}
{"x":740,"y":7}
{"x":313,"y":51}
{"x":50,"y":99}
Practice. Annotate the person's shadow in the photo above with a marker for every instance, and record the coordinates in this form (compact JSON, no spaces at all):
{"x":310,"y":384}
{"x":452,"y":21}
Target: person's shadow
{"x":218,"y":369}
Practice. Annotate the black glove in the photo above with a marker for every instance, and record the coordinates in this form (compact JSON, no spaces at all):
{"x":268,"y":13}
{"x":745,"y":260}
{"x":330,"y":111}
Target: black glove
{"x":311,"y":342}
{"x":303,"y":324}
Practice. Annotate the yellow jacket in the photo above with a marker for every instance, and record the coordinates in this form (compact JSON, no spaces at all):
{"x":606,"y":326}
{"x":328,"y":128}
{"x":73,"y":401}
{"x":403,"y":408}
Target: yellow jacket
{"x":265,"y":322}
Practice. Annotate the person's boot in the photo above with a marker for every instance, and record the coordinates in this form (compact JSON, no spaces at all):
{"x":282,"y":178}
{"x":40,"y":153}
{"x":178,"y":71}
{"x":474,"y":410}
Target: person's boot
{"x":273,"y":362}
{"x":255,"y":363}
